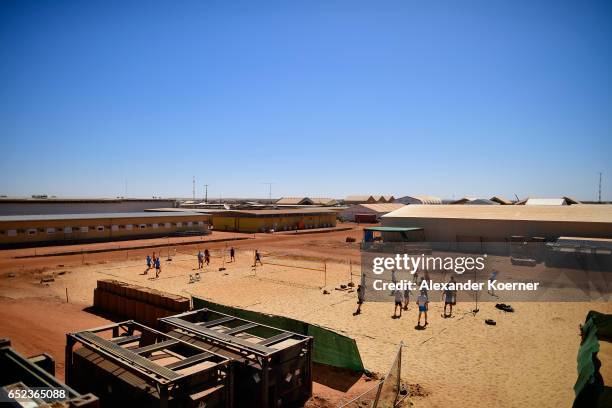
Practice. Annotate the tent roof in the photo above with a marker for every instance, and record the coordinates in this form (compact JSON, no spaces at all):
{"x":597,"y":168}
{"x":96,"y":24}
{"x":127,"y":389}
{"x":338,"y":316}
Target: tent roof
{"x":601,"y":213}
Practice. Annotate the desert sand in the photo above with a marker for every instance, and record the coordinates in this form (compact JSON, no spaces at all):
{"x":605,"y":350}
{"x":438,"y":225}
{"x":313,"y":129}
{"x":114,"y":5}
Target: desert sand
{"x":527,"y":359}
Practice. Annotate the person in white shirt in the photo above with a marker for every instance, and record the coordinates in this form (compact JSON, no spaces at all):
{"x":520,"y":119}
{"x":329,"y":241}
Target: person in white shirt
{"x":399,"y":299}
{"x":360,"y":299}
{"x":415,"y":279}
{"x":200,"y":260}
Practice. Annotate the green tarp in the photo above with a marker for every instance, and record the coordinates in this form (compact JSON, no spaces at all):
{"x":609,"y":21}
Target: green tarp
{"x":589,"y":388}
{"x":330,"y":348}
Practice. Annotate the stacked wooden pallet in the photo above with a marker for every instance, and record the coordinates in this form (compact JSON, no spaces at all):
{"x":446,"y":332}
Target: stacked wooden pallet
{"x":136,"y":302}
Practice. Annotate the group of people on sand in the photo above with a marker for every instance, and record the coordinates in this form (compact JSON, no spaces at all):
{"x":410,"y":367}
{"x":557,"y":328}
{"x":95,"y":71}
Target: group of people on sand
{"x":204,"y":257}
{"x":402,"y":299}
{"x":155,"y":262}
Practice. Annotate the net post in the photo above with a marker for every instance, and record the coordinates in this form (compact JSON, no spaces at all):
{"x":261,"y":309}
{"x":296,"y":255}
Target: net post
{"x":325,"y":268}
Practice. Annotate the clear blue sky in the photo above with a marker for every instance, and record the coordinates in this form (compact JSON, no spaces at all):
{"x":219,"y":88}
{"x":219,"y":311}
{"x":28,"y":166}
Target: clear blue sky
{"x":323,"y":98}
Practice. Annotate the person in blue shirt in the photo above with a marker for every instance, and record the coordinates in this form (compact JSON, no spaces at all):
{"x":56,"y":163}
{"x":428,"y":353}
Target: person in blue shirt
{"x":148,"y":263}
{"x":157,"y":267}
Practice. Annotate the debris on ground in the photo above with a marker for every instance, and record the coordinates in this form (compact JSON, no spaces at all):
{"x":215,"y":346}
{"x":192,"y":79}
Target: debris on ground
{"x":505,"y":307}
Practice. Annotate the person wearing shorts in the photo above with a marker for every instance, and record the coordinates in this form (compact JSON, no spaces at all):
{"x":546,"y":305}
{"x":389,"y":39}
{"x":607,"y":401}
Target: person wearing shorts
{"x":406,"y":298}
{"x":399,"y":299}
{"x":200,"y":260}
{"x":449,"y":298}
{"x":148,"y":264}
{"x":207,"y":257}
{"x":423,"y":303}
{"x":415,"y":280}
{"x":157,"y":267}
{"x":257,"y":258}
{"x":360,"y":299}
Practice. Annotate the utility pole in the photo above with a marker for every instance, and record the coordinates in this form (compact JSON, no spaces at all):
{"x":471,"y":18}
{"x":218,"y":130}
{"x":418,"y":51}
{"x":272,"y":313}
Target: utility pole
{"x":600,"y":187}
{"x":269,"y":191}
{"x":206,"y":193}
{"x":193,"y":183}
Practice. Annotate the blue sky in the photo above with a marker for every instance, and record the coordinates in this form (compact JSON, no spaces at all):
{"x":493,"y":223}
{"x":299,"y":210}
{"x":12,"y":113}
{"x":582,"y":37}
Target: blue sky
{"x":323,"y":98}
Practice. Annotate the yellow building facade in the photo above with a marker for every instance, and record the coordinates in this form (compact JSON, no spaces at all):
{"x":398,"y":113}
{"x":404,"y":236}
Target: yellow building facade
{"x":276,"y":220}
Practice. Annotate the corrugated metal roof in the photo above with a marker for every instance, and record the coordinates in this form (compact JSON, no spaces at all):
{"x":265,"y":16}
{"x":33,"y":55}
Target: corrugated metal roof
{"x":584,"y":239}
{"x":472,"y":201}
{"x":358,"y":198}
{"x":304,"y":200}
{"x":545,"y":201}
{"x":185,"y":210}
{"x":323,"y":200}
{"x":571,"y":200}
{"x":292,"y":200}
{"x":280,"y":212}
{"x":565,"y":213}
{"x":56,"y":200}
{"x":93,"y":216}
{"x":424,"y":199}
{"x":382,"y":207}
{"x":501,"y":200}
{"x":393,"y":229}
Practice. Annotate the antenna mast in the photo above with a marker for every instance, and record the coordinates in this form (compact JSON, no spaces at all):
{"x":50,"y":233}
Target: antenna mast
{"x":269,"y":191}
{"x":600,"y":187}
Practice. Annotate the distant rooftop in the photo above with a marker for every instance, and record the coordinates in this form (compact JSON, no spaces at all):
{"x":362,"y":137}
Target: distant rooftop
{"x":551,"y":213}
{"x":279,"y":212}
{"x":76,"y":199}
{"x":49,"y":217}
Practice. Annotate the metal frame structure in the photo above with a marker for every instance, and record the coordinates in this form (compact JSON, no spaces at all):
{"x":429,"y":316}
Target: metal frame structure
{"x":167,"y":380}
{"x":19,"y":372}
{"x":222,"y":331}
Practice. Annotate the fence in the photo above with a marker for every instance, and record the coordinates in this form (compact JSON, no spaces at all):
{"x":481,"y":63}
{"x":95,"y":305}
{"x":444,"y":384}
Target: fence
{"x":385,"y":394}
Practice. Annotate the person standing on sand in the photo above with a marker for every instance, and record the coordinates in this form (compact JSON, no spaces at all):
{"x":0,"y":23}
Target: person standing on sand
{"x":450,"y":296}
{"x":157,"y":267}
{"x":148,"y":264}
{"x":492,"y":278}
{"x":257,"y":258}
{"x":406,"y":297}
{"x":207,"y":257}
{"x":415,"y":279}
{"x":399,"y":299}
{"x":200,"y":260}
{"x":393,"y":280}
{"x":423,"y":304}
{"x":360,"y":299}
{"x":232,"y":254}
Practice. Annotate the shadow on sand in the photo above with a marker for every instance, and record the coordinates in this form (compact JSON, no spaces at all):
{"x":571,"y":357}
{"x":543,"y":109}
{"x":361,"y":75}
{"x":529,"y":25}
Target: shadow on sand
{"x":340,"y":379}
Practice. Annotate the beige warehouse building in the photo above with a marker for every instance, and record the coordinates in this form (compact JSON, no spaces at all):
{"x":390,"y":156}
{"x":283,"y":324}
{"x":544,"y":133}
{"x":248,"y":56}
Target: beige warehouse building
{"x":353,"y":212}
{"x":31,"y":230}
{"x":497,"y":223}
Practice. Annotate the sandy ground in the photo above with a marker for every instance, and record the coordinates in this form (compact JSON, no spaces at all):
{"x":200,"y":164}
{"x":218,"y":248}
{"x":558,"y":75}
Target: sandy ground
{"x":528,"y":359}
